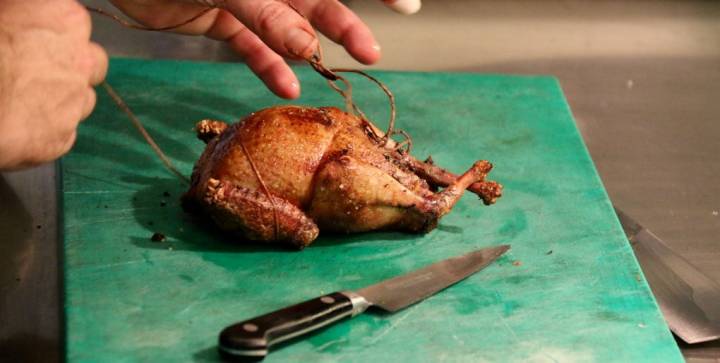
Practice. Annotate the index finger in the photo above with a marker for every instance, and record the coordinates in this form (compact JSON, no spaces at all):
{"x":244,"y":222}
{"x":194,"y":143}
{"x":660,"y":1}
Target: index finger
{"x":342,"y":26}
{"x":277,"y":24}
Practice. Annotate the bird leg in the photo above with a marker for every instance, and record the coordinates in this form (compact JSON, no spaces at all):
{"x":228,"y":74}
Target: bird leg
{"x":252,"y":214}
{"x":488,"y":191}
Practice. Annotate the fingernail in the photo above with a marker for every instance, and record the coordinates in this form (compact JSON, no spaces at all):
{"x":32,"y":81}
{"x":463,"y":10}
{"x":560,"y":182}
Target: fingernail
{"x":294,"y":91}
{"x":406,"y":7}
{"x":300,"y":43}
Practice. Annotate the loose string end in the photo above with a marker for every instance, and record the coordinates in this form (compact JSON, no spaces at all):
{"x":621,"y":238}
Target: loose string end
{"x":138,"y":125}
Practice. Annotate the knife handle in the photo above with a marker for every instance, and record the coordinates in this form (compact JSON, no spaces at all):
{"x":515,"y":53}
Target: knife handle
{"x":251,"y":339}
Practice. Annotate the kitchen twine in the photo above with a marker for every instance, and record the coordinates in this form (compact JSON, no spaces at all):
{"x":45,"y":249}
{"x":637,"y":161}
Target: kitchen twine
{"x":315,"y":61}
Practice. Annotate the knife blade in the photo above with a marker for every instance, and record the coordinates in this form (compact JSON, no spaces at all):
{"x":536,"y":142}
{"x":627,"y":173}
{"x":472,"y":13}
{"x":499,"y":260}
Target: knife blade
{"x":251,"y":339}
{"x":688,"y":299}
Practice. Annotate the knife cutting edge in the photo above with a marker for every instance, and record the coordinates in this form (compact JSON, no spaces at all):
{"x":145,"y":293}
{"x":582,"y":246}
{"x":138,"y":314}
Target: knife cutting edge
{"x":688,"y":299}
{"x":251,"y":339}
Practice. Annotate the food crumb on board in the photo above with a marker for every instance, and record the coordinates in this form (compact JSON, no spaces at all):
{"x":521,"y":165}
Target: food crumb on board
{"x":166,"y":194}
{"x":641,"y":325}
{"x":517,"y":263}
{"x":170,"y":248}
{"x":157,"y":237}
{"x":549,"y":252}
{"x":715,"y":213}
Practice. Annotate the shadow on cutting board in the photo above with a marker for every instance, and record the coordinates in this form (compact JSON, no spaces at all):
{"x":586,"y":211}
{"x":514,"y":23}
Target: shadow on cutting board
{"x":169,"y":113}
{"x":156,"y":207}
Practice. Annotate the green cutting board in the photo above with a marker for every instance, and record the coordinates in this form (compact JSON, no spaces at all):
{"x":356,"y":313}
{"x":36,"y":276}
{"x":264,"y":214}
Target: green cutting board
{"x":569,"y":290}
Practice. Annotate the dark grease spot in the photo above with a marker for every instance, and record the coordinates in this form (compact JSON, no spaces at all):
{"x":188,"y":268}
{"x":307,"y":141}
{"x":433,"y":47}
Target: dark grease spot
{"x":157,"y":237}
{"x":611,"y":316}
{"x":187,"y":278}
{"x":519,"y":279}
{"x":517,"y":139}
{"x":450,"y":229}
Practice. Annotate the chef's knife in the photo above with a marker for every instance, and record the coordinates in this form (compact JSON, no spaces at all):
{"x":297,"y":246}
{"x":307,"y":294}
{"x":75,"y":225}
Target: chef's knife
{"x":689,"y":300}
{"x":252,"y":338}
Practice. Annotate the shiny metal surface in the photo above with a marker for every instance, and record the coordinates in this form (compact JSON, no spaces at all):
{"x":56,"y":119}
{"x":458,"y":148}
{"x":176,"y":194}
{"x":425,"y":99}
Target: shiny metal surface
{"x":689,"y":300}
{"x":402,"y":291}
{"x":641,"y":77}
{"x":30,"y":309}
{"x":358,"y":302}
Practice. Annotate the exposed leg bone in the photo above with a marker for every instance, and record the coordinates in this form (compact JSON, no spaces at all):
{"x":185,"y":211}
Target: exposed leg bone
{"x":489,"y":191}
{"x":446,"y":199}
{"x":424,"y":216}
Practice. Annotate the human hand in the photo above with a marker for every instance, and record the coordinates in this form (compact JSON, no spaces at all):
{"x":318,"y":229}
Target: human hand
{"x":262,"y":32}
{"x":47,"y":68}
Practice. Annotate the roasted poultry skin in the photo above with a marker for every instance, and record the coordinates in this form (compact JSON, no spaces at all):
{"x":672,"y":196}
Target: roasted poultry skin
{"x":284,"y":173}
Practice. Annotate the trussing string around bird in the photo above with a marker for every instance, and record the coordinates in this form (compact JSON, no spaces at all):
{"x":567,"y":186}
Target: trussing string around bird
{"x":316,"y":62}
{"x":331,"y":74}
{"x":264,"y":187}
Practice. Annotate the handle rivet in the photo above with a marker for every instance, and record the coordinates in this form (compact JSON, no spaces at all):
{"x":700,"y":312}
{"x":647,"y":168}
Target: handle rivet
{"x":250,"y":327}
{"x":327,"y":299}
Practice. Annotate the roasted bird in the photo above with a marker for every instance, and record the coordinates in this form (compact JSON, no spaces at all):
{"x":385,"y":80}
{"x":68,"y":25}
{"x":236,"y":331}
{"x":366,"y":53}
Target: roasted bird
{"x":285,"y":173}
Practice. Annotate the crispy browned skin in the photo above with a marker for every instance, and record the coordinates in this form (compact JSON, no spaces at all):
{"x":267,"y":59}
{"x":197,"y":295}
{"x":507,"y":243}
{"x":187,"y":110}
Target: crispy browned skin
{"x":321,"y":171}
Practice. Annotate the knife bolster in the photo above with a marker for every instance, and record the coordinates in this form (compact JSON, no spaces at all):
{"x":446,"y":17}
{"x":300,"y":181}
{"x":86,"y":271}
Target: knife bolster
{"x":359,"y":303}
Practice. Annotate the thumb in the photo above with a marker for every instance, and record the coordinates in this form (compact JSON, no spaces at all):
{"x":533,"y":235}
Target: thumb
{"x":406,"y":7}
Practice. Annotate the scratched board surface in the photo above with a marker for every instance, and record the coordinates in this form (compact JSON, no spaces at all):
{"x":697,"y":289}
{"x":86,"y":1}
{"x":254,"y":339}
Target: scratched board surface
{"x":569,"y":290}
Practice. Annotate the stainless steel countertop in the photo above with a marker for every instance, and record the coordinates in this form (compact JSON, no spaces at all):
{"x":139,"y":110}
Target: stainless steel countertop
{"x":642,"y":79}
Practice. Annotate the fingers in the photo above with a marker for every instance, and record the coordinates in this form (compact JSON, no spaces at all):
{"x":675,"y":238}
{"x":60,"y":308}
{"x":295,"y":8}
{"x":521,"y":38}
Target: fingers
{"x":164,"y":13}
{"x":263,"y":61}
{"x":67,"y":145}
{"x":342,"y":26}
{"x":99,"y":67}
{"x":406,"y":7}
{"x":280,"y":27}
{"x":266,"y":64}
{"x":93,"y":63}
{"x":89,"y":103}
